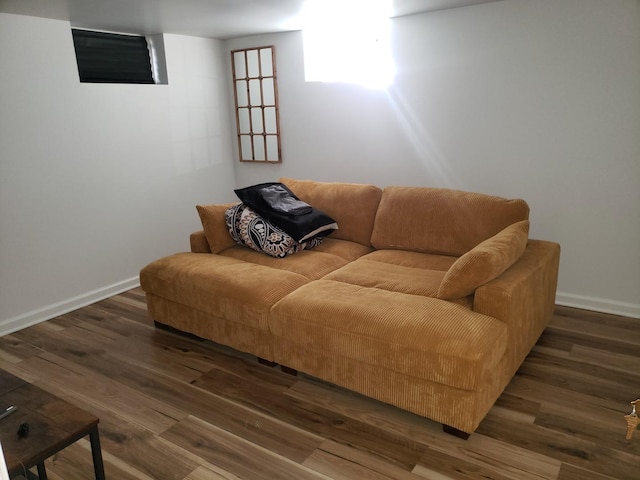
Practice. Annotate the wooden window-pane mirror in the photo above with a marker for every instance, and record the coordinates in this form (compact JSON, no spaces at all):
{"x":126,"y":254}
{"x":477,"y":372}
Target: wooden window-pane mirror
{"x":256,"y":98}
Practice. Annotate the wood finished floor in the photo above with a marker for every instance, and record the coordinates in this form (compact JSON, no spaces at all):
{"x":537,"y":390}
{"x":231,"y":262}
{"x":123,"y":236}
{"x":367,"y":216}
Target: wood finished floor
{"x":173,"y":407}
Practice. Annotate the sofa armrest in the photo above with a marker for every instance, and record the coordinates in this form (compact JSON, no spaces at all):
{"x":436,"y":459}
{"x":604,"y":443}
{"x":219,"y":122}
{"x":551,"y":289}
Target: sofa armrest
{"x":199,"y":242}
{"x":523,"y":297}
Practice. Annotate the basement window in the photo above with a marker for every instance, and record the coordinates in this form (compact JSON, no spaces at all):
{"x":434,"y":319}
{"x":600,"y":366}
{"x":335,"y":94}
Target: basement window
{"x":348,"y":41}
{"x":105,"y":57}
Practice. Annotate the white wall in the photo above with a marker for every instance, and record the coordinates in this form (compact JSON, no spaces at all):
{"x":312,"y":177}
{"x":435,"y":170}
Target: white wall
{"x":97,"y":180}
{"x":532,"y":99}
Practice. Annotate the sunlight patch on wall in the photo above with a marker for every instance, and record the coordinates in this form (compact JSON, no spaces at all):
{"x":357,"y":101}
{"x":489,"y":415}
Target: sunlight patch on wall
{"x":348,"y":41}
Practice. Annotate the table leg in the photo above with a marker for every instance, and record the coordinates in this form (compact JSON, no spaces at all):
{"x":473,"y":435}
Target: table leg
{"x":28,"y":474}
{"x":96,"y":453}
{"x":42,"y":472}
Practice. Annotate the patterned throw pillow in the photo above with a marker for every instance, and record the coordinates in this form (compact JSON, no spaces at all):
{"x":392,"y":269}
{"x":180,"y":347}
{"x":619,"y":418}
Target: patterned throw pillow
{"x":248,"y":228}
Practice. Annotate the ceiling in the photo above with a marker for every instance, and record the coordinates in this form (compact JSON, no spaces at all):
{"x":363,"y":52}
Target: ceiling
{"x":220,"y":19}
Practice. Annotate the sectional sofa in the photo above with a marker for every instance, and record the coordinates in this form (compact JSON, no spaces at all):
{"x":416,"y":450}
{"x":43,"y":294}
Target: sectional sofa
{"x":428,"y":299}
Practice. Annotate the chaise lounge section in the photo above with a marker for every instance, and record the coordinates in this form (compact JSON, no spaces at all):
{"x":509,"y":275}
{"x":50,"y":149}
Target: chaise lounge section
{"x":427,"y":299}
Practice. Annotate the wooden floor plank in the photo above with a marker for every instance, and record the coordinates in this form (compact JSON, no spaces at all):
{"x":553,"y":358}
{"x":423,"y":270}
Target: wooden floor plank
{"x":577,"y":377}
{"x":342,"y":462}
{"x":175,"y":407}
{"x":566,"y":339}
{"x":132,"y":312}
{"x":402,"y":451}
{"x":571,"y":472}
{"x":590,"y":321}
{"x":627,"y":364}
{"x":74,"y":463}
{"x":133,"y":406}
{"x":234,"y":454}
{"x":513,"y":461}
{"x":284,"y":439}
{"x":479,"y":449}
{"x":129,"y":447}
{"x":612,"y":330}
{"x":562,"y":446}
{"x":438,"y":465}
{"x":15,"y":348}
{"x":211,"y":472}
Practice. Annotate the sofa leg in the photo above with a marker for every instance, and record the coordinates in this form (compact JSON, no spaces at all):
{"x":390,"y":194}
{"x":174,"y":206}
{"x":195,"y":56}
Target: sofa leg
{"x":455,"y":432}
{"x":170,"y":329}
{"x":289,"y":370}
{"x":266,"y":362}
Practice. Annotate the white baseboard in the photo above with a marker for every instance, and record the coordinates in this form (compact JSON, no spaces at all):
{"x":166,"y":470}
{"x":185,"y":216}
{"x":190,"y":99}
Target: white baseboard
{"x":54,"y":310}
{"x":598,"y":304}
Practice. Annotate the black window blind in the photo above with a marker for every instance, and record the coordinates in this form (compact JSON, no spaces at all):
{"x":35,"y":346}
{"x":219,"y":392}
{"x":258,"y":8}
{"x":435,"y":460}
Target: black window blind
{"x":112,"y":58}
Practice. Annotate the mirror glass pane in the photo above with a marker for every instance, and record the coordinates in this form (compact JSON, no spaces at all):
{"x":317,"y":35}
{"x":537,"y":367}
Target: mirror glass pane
{"x":272,"y":148}
{"x":241,"y":93}
{"x":266,"y":62}
{"x":268,"y":91}
{"x":253,"y":67}
{"x":256,"y":120}
{"x":258,"y":148}
{"x":270,"y":124}
{"x":246,"y":152}
{"x":254,"y":92}
{"x":243,"y":120}
{"x":238,"y":60}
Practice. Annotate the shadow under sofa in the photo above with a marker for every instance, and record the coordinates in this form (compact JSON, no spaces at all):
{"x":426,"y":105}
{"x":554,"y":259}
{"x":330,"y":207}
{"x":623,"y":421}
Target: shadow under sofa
{"x":424,"y":298}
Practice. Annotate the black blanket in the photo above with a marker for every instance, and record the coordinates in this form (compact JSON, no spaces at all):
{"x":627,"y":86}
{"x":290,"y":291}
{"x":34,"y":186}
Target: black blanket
{"x":278,"y":204}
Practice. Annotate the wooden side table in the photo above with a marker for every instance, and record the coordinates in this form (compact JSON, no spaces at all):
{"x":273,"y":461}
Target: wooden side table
{"x":54,"y":424}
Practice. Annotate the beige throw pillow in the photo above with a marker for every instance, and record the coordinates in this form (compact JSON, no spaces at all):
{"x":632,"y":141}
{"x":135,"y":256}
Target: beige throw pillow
{"x":485,"y":261}
{"x":215,"y":226}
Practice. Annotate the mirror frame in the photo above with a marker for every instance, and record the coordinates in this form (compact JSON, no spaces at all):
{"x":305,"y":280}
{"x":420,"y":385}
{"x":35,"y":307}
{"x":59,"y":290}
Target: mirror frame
{"x":255,"y":92}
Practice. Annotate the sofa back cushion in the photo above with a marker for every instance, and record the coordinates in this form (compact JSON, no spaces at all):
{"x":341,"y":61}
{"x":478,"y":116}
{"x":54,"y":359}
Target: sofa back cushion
{"x":352,"y":205}
{"x":484,"y":262}
{"x":441,"y":221}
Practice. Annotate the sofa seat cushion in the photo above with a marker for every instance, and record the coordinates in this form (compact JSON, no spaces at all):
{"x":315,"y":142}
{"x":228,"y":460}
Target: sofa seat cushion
{"x":225,"y":287}
{"x":406,"y":258}
{"x":401,"y":271}
{"x":442,"y":221}
{"x":352,"y":205}
{"x":311,"y":264}
{"x":414,"y":335}
{"x":343,"y":248}
{"x":387,"y":276}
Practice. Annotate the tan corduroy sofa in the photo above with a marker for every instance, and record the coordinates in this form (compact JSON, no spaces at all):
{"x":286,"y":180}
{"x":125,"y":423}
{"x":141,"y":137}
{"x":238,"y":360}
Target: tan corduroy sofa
{"x":424,"y":298}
